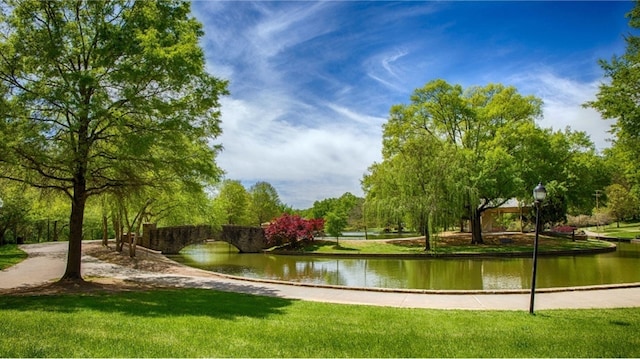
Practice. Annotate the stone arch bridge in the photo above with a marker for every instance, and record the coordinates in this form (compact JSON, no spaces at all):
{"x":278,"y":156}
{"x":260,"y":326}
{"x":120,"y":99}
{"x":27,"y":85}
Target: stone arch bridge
{"x":170,"y":240}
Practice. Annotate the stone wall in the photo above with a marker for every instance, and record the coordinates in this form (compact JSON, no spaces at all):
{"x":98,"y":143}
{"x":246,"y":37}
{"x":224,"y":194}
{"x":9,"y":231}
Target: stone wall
{"x":246,"y":239}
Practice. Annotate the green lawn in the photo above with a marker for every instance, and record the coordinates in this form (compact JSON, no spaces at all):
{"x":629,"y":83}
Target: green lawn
{"x":10,"y":255}
{"x":547,"y":244}
{"x":626,"y":230}
{"x":207,"y":323}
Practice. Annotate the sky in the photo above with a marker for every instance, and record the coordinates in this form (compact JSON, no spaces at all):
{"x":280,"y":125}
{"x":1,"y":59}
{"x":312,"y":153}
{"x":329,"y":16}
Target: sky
{"x":312,"y":83}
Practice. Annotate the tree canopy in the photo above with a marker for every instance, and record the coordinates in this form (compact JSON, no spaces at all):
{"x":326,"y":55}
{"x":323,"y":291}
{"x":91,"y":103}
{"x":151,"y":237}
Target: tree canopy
{"x":105,"y":95}
{"x":469,"y":130}
{"x":453,"y":152}
{"x":265,"y":203}
{"x":232,"y":202}
{"x":618,"y":99}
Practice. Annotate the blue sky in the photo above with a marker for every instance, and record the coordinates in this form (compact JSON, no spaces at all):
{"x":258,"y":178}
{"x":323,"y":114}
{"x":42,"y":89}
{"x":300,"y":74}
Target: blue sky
{"x":312,"y":82}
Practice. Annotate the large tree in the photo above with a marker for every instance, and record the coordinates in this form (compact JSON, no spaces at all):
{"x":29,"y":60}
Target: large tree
{"x":477,"y":124}
{"x":417,"y":180}
{"x":232,"y":203}
{"x":621,"y":203}
{"x":619,"y":99}
{"x":103,"y":95}
{"x":264,"y":204}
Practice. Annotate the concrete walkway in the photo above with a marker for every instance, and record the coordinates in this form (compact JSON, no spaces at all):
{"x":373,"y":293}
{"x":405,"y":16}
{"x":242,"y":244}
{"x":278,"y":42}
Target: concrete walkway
{"x":46,"y":262}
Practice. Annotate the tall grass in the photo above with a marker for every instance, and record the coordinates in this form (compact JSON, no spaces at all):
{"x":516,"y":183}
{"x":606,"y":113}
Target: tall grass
{"x":10,"y":255}
{"x":206,"y":323}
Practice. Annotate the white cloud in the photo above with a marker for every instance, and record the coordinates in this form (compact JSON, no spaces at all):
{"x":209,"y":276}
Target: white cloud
{"x":311,"y":82}
{"x":308,"y":149}
{"x":314,"y":162}
{"x":563,"y":104}
{"x":286,"y":27}
{"x":384,"y":68}
{"x":388,"y":61}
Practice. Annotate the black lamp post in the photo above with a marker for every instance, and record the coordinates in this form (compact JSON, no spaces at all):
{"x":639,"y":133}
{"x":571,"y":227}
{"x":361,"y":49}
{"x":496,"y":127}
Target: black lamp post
{"x":539,"y":194}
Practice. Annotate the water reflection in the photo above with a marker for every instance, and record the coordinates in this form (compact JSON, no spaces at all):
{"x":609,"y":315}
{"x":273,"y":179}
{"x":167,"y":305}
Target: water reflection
{"x":622,"y":266}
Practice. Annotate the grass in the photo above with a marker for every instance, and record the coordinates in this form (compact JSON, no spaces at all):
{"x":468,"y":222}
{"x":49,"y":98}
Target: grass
{"x":207,"y":323}
{"x":626,"y":230}
{"x":493,"y":245}
{"x":384,"y":235}
{"x":10,"y":255}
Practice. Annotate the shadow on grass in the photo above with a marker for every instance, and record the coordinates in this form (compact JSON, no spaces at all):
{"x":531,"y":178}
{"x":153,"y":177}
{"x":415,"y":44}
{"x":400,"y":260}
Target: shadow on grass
{"x":338,"y":247}
{"x":408,"y":243}
{"x":154,"y":303}
{"x":316,"y":246}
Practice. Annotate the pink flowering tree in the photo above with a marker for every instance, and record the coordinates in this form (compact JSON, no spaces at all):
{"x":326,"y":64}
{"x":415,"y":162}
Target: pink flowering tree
{"x":292,"y":229}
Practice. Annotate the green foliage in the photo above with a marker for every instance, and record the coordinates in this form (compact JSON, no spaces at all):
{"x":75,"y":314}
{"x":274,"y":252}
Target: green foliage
{"x":14,"y":210}
{"x":31,"y":214}
{"x":348,"y":205}
{"x":102,"y":96}
{"x":453,"y":153}
{"x":554,"y":208}
{"x":621,"y":203}
{"x":451,"y":148}
{"x":335,"y":223}
{"x":321,"y":208}
{"x":264,"y":204}
{"x":127,"y":107}
{"x":232,"y":202}
{"x":182,"y":323}
{"x":618,"y":98}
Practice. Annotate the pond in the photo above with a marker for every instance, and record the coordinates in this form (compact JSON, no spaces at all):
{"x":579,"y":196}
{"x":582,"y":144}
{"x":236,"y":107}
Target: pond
{"x":622,"y":266}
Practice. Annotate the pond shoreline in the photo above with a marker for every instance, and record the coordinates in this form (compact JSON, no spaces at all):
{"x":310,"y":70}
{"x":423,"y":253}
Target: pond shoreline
{"x":576,"y":252}
{"x":612,"y":247}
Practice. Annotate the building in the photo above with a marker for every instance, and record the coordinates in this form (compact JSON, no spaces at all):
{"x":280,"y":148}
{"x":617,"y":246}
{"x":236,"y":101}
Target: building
{"x":492,"y":219}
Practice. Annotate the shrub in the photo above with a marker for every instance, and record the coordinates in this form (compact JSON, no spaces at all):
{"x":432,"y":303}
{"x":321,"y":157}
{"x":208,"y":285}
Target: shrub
{"x":563,"y":229}
{"x":291,"y":229}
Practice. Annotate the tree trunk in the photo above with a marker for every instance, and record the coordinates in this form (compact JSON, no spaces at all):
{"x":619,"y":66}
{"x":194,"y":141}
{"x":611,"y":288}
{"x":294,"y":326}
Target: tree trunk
{"x":132,"y":245}
{"x":105,"y":230}
{"x":55,"y":231}
{"x":427,"y":235}
{"x":76,"y":220}
{"x":130,"y":238}
{"x":138,"y":235}
{"x":476,"y":227}
{"x":117,"y":227}
{"x":427,"y":241}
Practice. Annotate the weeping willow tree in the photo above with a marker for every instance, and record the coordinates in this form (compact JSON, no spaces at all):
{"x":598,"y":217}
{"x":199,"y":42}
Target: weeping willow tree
{"x":449,"y":149}
{"x":384,"y":200}
{"x":417,"y":179}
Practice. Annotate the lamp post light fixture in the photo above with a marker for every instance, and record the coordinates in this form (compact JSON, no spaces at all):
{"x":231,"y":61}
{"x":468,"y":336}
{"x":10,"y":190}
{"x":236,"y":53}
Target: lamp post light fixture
{"x":539,"y":194}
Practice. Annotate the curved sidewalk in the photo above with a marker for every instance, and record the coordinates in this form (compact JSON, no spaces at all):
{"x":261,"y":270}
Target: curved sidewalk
{"x":46,"y":262}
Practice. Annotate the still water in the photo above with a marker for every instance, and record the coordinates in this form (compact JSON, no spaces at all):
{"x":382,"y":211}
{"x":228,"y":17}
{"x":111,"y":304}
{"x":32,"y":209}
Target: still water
{"x":622,"y":266}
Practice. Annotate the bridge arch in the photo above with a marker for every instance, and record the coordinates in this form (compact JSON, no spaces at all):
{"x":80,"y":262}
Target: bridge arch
{"x":170,"y":240}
